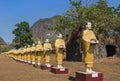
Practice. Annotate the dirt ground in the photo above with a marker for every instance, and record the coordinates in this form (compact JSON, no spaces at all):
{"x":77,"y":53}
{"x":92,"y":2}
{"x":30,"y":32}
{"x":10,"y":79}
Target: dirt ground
{"x":10,"y":70}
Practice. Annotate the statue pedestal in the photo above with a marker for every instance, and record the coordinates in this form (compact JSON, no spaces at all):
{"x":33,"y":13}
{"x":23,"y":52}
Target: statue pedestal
{"x":45,"y":67}
{"x":30,"y":63}
{"x":59,"y":70}
{"x":17,"y":60}
{"x":21,"y":61}
{"x":84,"y":76}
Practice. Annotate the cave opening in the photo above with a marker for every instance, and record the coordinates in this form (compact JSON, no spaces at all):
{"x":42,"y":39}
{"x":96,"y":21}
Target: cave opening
{"x":111,"y":50}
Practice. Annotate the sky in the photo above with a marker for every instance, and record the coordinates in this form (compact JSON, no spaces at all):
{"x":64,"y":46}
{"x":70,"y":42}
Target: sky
{"x":16,"y":11}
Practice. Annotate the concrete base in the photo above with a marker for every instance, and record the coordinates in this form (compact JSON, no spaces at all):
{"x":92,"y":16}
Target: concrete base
{"x":45,"y":67}
{"x":30,"y":63}
{"x":38,"y":66}
{"x":20,"y":61}
{"x":17,"y":60}
{"x":57,"y":70}
{"x":84,"y":76}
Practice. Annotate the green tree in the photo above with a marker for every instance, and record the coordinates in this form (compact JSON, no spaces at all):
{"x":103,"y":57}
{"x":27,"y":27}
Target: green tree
{"x":105,"y":20}
{"x":71,"y":20}
{"x":23,"y":35}
{"x":103,"y":17}
{"x":116,"y":19}
{"x":61,"y":26}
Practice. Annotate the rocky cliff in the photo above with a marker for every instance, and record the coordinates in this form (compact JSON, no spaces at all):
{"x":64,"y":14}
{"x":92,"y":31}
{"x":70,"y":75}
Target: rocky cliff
{"x":2,"y":42}
{"x":40,"y":29}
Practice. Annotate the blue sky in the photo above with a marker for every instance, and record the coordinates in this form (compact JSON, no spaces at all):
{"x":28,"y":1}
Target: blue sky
{"x":16,"y":11}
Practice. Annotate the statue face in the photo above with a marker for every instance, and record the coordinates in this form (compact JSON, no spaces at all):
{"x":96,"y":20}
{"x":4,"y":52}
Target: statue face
{"x":39,"y":42}
{"x":33,"y":44}
{"x":47,"y":40}
{"x":28,"y":46}
{"x":89,"y":25}
{"x":25,"y":47}
{"x":60,"y":36}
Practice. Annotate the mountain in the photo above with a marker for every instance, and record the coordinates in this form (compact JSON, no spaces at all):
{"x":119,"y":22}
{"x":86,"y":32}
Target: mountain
{"x":2,"y":42}
{"x":40,"y":28}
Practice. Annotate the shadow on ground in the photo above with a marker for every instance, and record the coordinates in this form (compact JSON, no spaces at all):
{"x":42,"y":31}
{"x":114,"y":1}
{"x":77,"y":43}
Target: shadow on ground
{"x":71,"y":78}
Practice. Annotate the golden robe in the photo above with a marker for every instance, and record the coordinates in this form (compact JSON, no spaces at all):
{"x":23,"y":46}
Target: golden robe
{"x":47,"y":52}
{"x":19,"y":54}
{"x":28,"y":54}
{"x":24,"y":55}
{"x":33,"y":54}
{"x":88,"y":47}
{"x":59,"y":51}
{"x":39,"y":50}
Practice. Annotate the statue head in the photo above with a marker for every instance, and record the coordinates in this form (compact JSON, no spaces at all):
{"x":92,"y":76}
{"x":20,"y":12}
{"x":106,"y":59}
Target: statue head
{"x":59,"y":35}
{"x":47,"y":40}
{"x":25,"y":47}
{"x":28,"y":46}
{"x":33,"y":44}
{"x":89,"y":25}
{"x":39,"y":42}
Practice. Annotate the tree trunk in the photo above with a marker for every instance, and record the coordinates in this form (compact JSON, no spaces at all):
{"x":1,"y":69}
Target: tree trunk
{"x":100,"y":50}
{"x":73,"y":47}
